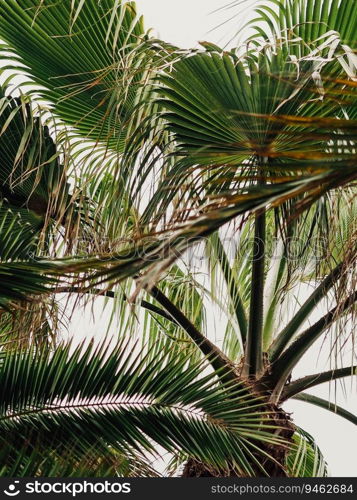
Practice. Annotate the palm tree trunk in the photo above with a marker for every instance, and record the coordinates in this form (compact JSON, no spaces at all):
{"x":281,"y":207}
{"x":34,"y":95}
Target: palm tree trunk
{"x":254,"y":345}
{"x":253,"y":356}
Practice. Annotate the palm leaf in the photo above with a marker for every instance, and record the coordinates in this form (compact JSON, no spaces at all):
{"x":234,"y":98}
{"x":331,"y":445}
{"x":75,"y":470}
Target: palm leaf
{"x":82,"y":58}
{"x":72,"y":401}
{"x":35,"y":193}
{"x":305,"y":459}
{"x":307,"y":19}
{"x":30,"y":174}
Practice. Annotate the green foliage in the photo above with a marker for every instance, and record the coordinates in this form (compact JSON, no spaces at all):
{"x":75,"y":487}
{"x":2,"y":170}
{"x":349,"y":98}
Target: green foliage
{"x":308,"y":20}
{"x":123,"y":153}
{"x":83,"y":58}
{"x":305,"y":458}
{"x":92,"y":405}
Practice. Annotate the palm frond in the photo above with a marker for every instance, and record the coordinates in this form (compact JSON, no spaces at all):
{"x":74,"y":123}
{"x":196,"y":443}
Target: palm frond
{"x":305,"y":459}
{"x":72,"y":401}
{"x":83,"y":59}
{"x":309,"y":20}
{"x":31,"y":174}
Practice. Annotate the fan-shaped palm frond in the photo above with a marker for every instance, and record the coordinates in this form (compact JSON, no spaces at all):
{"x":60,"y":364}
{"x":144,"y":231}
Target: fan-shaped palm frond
{"x":34,"y":179}
{"x":33,"y":183}
{"x":308,"y":20}
{"x":224,"y":110}
{"x":83,"y":58}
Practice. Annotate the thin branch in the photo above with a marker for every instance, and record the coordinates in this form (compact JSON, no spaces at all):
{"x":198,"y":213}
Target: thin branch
{"x":109,"y":293}
{"x":302,"y":384}
{"x":216,"y":357}
{"x":322,"y":403}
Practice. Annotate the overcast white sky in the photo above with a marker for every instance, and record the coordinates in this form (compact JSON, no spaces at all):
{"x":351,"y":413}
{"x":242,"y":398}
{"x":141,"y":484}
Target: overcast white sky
{"x":182,"y":22}
{"x":185,"y":22}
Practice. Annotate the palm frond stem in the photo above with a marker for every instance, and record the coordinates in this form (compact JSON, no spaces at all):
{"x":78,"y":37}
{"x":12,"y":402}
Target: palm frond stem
{"x":322,"y":403}
{"x":285,"y":336}
{"x":111,"y":294}
{"x":304,"y":383}
{"x":215,"y":356}
{"x":282,"y":368}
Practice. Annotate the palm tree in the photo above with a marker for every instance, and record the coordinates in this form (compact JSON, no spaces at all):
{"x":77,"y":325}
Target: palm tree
{"x":123,"y":155}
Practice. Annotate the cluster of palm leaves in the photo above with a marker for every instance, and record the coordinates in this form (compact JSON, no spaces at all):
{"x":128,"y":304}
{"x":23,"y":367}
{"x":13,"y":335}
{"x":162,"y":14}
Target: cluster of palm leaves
{"x":122,"y":159}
